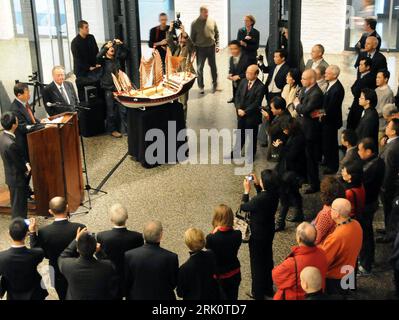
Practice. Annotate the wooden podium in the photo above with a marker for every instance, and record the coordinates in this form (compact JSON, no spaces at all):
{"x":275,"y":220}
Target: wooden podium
{"x":56,"y":163}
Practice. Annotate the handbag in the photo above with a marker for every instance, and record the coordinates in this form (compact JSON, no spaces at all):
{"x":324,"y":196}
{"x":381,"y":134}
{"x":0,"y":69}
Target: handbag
{"x":242,"y":223}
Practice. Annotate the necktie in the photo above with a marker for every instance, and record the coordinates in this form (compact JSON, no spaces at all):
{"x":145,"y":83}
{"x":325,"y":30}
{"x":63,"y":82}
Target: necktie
{"x":29,"y":110}
{"x":64,"y":94}
{"x":328,"y":86}
{"x":249,"y":86}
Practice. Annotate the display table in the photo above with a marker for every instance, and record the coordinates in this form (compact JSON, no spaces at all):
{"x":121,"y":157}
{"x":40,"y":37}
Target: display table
{"x":141,"y":121}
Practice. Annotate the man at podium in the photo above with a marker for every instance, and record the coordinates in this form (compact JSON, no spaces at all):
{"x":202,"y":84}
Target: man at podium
{"x":60,"y":95}
{"x":15,"y":166}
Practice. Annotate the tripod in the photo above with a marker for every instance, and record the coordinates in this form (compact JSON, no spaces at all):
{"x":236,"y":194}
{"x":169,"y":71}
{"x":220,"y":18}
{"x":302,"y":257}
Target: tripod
{"x":88,"y":188}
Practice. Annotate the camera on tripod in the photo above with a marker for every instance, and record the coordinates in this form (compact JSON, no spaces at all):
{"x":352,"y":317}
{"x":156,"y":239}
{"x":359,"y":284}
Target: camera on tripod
{"x":177,"y":24}
{"x":34,"y":77}
{"x":260,"y":58}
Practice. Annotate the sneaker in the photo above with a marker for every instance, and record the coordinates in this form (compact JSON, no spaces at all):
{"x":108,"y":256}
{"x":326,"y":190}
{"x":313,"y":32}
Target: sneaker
{"x":362,"y":272}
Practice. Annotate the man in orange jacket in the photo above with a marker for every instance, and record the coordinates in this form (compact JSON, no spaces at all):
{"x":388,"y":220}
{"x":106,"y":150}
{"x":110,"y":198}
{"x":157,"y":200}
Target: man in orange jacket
{"x":286,"y":276}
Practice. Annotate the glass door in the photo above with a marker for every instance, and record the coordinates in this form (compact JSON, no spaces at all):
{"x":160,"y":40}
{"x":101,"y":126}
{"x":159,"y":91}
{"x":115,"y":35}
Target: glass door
{"x":56,"y":27}
{"x":387,"y":14}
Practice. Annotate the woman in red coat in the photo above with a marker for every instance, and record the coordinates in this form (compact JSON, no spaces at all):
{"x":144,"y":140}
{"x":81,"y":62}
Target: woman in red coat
{"x":286,"y":276}
{"x":352,"y":175}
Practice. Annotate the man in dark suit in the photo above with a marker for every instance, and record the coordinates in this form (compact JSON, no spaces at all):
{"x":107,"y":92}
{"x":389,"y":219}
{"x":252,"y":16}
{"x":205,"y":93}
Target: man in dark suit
{"x":349,"y":141}
{"x":277,"y":74}
{"x":60,"y":92}
{"x":365,"y":80}
{"x":373,"y":176}
{"x":119,"y":240}
{"x":390,"y":186}
{"x":369,"y":123}
{"x":370,"y":25}
{"x":16,"y":168}
{"x":88,"y":278}
{"x":317,"y":58}
{"x":53,"y":239}
{"x":248,"y":105}
{"x":18,"y":267}
{"x":238,"y":66}
{"x":310,"y":100}
{"x":151,"y":272}
{"x":84,"y":50}
{"x":379,"y":62}
{"x":249,"y":38}
{"x":332,"y":121}
{"x":27,"y":122}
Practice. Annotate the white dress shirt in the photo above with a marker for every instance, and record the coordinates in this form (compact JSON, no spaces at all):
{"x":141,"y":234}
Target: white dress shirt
{"x":272,"y":86}
{"x":65,"y":92}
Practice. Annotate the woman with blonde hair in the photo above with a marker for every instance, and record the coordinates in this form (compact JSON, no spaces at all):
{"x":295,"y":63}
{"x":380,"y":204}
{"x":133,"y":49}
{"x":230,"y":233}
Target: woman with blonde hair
{"x":196,"y":276}
{"x":225,"y":242}
{"x":249,"y":38}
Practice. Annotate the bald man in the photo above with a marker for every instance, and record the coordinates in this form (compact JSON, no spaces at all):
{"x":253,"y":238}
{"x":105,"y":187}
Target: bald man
{"x":248,"y":102}
{"x":379,"y":62}
{"x":286,"y":276}
{"x":310,"y":99}
{"x":342,"y":247}
{"x":54,"y":239}
{"x":312,"y":284}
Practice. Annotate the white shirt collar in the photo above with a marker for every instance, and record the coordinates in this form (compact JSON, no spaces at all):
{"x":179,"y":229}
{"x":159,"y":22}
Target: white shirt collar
{"x":331,"y":83}
{"x":9,"y":133}
{"x":18,"y":247}
{"x":118,"y":227}
{"x":392,"y":139}
{"x":364,"y":74}
{"x":60,"y":219}
{"x":21,"y":102}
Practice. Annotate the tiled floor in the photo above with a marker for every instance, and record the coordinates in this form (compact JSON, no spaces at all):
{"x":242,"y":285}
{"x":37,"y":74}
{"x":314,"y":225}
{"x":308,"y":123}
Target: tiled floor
{"x":183,"y":196}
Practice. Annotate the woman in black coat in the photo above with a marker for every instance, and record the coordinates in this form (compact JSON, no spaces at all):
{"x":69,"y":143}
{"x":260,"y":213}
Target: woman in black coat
{"x":262,"y":210}
{"x":249,"y":39}
{"x":291,"y":171}
{"x":225,"y":242}
{"x":196,"y":280}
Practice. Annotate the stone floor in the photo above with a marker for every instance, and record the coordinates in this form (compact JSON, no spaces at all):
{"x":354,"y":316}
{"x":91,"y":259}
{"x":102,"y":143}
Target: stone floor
{"x":183,"y":196}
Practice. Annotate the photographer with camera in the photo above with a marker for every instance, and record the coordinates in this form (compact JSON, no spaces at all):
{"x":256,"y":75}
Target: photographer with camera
{"x":111,"y":57}
{"x":184,"y":48}
{"x":158,"y":37}
{"x":262,"y":210}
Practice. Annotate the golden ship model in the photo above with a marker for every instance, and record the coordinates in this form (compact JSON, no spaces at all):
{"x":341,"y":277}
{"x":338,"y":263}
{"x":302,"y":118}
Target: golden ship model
{"x":155,"y":87}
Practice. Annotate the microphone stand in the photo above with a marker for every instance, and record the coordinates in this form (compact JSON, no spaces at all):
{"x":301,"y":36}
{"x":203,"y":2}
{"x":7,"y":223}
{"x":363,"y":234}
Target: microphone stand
{"x":88,"y":188}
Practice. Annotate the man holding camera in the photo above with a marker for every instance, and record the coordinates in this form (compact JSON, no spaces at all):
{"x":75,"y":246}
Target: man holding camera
{"x":111,"y":57}
{"x":205,"y":35}
{"x":184,"y":48}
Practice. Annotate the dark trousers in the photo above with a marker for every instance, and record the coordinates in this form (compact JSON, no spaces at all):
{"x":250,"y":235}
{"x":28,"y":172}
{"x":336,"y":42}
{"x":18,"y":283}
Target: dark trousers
{"x":113,"y":115}
{"x":312,"y":155}
{"x":396,"y":279}
{"x":247,"y":137}
{"x":391,"y":220}
{"x":289,"y":196}
{"x":367,"y":253}
{"x":261,"y":260}
{"x":354,"y":116}
{"x":60,"y":285}
{"x":330,"y":147}
{"x":230,"y":287}
{"x":203,"y":54}
{"x":19,"y":202}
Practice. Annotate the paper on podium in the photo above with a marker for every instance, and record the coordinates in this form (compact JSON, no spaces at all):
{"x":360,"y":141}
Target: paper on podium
{"x":55,"y":121}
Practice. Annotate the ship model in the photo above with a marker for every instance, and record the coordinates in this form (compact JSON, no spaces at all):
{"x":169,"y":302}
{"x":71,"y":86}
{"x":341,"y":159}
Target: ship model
{"x":156,"y":88}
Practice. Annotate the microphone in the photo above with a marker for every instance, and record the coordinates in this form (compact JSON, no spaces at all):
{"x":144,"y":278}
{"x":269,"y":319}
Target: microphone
{"x":52,"y":105}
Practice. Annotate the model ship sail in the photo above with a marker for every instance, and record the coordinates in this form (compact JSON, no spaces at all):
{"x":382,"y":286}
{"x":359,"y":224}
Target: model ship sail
{"x":155,"y":89}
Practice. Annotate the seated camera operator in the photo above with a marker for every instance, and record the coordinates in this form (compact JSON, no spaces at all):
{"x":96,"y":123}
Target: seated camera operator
{"x":184,"y":48}
{"x":111,"y":57}
{"x":291,"y":171}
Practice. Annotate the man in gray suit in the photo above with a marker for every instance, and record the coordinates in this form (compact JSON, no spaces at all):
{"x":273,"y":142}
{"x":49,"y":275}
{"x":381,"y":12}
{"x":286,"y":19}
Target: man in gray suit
{"x":317,"y":58}
{"x":15,"y":166}
{"x":59,"y":92}
{"x":390,"y":186}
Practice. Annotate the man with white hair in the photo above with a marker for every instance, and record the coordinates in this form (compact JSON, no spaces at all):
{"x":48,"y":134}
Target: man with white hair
{"x":389,"y":112}
{"x":60,"y":95}
{"x":342,"y":247}
{"x":317,"y":58}
{"x":312,"y":284}
{"x":151,"y":272}
{"x":379,"y":62}
{"x":119,"y":240}
{"x":332,"y":121}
